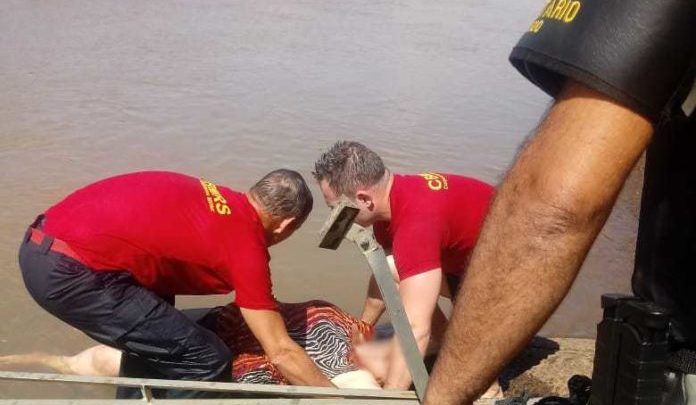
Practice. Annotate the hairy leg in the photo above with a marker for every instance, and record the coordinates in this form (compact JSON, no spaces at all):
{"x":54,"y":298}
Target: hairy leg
{"x":542,"y":223}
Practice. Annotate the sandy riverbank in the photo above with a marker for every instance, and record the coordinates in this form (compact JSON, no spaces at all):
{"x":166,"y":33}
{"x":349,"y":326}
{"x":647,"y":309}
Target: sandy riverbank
{"x":544,"y":368}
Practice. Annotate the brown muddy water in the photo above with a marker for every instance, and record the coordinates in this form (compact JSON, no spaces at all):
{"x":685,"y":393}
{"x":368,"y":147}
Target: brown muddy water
{"x":229,"y":90}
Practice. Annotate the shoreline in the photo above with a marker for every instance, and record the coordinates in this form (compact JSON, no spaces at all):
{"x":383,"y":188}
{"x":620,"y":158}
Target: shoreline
{"x":544,"y":367}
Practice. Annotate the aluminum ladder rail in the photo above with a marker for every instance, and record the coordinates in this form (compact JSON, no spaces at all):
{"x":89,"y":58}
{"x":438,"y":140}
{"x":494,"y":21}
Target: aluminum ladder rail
{"x":283,"y":394}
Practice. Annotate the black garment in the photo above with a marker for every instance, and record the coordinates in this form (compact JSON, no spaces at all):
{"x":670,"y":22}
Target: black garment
{"x":453,"y":282}
{"x":134,"y":366}
{"x":665,"y":269}
{"x":113,"y":309}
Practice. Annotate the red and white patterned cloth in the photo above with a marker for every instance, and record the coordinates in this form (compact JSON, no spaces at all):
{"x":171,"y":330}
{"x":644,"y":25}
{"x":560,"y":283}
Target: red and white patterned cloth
{"x":322,"y":329}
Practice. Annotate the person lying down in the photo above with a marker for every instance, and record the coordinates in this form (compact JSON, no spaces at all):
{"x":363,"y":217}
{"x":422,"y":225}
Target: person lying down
{"x":326,"y":332}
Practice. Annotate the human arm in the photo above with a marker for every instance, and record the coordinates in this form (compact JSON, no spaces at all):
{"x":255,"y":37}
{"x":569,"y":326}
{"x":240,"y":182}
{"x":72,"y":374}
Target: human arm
{"x":419,"y":294}
{"x":292,"y":361}
{"x":547,"y":213}
{"x":374,"y":304}
{"x":259,"y":310}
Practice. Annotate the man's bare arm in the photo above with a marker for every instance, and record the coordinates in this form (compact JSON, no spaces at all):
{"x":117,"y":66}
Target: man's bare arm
{"x":292,"y":361}
{"x":419,"y":294}
{"x":546,"y":215}
{"x":374,"y":305}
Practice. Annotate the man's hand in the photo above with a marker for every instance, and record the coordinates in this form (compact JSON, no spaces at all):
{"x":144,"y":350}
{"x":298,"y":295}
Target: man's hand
{"x":547,"y":213}
{"x":292,"y":361}
{"x":419,"y":294}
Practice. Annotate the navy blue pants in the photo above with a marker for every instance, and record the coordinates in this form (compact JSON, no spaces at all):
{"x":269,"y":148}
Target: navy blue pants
{"x":158,"y":341}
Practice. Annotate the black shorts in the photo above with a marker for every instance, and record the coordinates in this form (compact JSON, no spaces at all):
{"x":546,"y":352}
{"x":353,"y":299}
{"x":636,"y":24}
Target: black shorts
{"x":453,"y":282}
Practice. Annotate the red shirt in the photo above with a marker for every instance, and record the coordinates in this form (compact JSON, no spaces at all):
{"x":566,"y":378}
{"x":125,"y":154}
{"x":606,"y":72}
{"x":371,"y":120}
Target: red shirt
{"x":435,"y":221}
{"x":176,"y":234}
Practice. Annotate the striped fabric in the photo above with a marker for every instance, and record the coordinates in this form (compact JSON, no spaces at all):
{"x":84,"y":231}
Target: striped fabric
{"x":322,"y":329}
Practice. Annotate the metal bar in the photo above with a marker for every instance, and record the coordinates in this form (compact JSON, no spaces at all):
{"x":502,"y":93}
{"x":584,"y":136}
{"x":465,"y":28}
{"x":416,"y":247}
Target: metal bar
{"x":241,"y":401}
{"x":365,"y":239}
{"x":276,"y":390}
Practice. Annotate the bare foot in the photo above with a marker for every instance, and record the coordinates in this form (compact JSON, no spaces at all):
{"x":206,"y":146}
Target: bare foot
{"x":97,"y":360}
{"x":35,"y":359}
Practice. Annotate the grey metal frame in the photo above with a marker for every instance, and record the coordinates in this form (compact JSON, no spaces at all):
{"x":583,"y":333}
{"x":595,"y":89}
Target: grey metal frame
{"x":277,"y":401}
{"x":293,"y":394}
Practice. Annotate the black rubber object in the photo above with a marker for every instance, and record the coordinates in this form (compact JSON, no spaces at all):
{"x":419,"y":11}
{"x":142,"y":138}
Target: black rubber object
{"x":637,"y":52}
{"x":665,"y":260}
{"x":683,"y":360}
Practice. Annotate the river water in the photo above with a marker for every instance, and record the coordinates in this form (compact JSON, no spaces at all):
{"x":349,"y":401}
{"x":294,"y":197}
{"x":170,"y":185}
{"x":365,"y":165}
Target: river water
{"x":229,"y":90}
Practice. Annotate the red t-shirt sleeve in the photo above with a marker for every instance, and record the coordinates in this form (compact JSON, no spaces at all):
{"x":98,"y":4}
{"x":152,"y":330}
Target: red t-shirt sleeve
{"x":417,"y":246}
{"x":251,"y":277}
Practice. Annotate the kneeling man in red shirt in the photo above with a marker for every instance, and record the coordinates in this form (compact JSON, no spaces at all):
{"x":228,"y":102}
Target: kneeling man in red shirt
{"x":111,"y":256}
{"x":427,"y":223}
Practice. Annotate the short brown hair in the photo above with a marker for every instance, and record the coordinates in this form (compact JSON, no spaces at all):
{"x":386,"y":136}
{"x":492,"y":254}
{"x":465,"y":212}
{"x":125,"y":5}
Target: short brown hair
{"x":283,"y":193}
{"x":348,"y":166}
